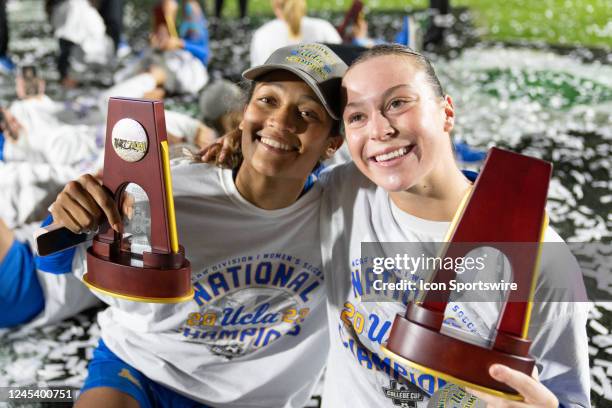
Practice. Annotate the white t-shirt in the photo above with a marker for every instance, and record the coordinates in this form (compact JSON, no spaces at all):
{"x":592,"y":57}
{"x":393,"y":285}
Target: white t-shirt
{"x":275,"y":34}
{"x":47,"y":139}
{"x":255,"y":333}
{"x":354,"y":210}
{"x":47,"y":154}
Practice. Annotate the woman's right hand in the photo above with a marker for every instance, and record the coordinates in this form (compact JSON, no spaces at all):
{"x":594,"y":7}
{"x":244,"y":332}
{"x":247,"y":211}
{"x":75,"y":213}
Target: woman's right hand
{"x":84,"y":204}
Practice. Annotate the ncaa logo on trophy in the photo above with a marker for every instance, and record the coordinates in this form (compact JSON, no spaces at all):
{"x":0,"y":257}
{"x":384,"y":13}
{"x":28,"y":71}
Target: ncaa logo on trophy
{"x":129,"y":140}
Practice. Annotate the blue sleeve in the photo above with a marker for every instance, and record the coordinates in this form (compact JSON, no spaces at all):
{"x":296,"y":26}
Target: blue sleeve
{"x":470,"y":175}
{"x":1,"y":146}
{"x":312,"y":177}
{"x":57,"y":263}
{"x":367,"y":42}
{"x":195,"y":37}
{"x":21,"y":296}
{"x":403,"y":36}
{"x":198,"y":48}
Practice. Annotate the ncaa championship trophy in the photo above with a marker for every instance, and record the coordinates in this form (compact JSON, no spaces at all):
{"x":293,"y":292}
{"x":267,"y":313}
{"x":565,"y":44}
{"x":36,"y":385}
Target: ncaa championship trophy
{"x":147,"y":264}
{"x":510,"y":195}
{"x":136,"y":151}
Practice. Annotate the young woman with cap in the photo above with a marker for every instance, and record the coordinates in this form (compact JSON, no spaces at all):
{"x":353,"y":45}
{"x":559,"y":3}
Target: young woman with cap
{"x":255,"y":333}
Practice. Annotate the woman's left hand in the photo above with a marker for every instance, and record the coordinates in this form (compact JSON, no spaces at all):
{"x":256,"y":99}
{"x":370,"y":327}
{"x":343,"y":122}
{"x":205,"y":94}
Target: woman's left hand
{"x":535,"y":394}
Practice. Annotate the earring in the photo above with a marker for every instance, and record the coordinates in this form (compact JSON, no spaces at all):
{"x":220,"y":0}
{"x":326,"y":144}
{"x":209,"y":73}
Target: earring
{"x":449,"y":122}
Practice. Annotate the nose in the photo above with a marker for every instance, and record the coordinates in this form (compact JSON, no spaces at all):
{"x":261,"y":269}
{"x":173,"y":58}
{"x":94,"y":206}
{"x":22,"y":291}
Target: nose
{"x":381,"y":128}
{"x":283,"y":119}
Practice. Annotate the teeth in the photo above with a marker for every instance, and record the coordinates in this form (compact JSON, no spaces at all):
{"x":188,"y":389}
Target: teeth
{"x":276,"y":144}
{"x":391,"y":155}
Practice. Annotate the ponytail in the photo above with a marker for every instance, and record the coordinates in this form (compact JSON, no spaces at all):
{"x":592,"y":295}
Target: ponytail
{"x":293,"y":11}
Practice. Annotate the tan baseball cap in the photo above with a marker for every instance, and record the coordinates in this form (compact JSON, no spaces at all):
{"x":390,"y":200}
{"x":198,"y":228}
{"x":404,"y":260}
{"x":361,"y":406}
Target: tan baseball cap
{"x":316,"y":64}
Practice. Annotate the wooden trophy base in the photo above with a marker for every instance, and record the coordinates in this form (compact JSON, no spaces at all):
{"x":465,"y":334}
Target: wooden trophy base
{"x":140,"y":284}
{"x":439,"y":357}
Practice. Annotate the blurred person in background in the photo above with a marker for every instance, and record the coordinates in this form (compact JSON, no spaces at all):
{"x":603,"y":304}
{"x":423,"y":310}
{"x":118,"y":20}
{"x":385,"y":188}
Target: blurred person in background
{"x":6,"y":65}
{"x":112,"y":14}
{"x":176,"y":60}
{"x":83,"y":40}
{"x":354,"y":27}
{"x":221,"y":106}
{"x":39,"y":153}
{"x":44,"y":143}
{"x":291,"y":26}
{"x":434,"y":35}
{"x":242,"y":4}
{"x":32,"y":132}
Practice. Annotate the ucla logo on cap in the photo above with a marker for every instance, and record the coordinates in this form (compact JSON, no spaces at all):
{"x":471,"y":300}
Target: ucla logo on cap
{"x":129,"y":140}
{"x":313,"y":59}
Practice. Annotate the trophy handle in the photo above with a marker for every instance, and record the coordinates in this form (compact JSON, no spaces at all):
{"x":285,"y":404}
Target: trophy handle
{"x":517,"y":312}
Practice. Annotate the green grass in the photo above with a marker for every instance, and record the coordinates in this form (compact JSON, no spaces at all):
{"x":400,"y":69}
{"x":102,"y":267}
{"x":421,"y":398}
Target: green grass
{"x":561,"y":22}
{"x":565,"y":22}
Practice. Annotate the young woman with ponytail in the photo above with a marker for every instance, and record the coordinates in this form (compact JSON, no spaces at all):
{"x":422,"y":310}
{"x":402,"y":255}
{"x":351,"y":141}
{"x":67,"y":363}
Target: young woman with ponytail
{"x":291,"y":26}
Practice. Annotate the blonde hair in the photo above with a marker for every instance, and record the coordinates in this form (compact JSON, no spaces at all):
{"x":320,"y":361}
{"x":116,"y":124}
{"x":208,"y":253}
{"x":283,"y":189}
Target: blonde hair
{"x":292,"y":12}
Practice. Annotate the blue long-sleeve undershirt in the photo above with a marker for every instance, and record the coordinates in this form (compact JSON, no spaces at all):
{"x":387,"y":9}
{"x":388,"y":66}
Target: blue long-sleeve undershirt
{"x":198,"y":49}
{"x":21,"y":295}
{"x":195,"y":38}
{"x":1,"y":146}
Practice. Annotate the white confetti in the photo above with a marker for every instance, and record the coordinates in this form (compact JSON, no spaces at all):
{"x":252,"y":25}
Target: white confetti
{"x":602,"y":341}
{"x":598,"y":327}
{"x":606,"y":387}
{"x":50,"y":374}
{"x":604,"y":363}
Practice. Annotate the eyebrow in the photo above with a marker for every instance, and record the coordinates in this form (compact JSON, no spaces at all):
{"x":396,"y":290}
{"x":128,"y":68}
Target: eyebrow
{"x":312,"y":98}
{"x":384,"y":95}
{"x":274,"y":84}
{"x":304,"y":96}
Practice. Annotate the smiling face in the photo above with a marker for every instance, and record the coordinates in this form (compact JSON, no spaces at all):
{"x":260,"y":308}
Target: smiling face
{"x":285,"y":128}
{"x":397,"y":129}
